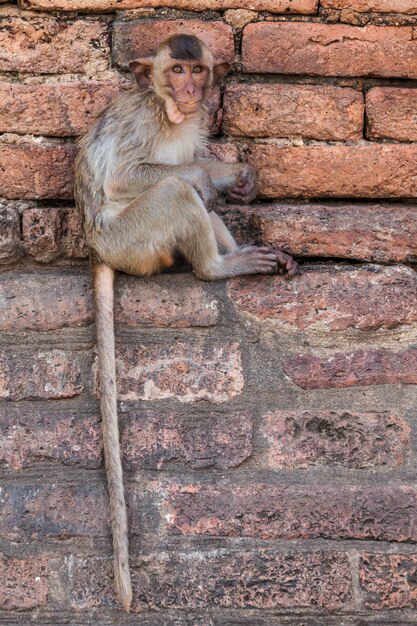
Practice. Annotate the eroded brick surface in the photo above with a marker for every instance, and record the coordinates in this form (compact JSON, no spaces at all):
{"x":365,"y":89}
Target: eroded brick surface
{"x":391,"y":113}
{"x":275,"y":6}
{"x":389,"y":580}
{"x":24,"y":583}
{"x":327,"y":113}
{"x":9,"y":234}
{"x":353,"y":369}
{"x":329,"y":49}
{"x":331,"y":299}
{"x":301,"y":439}
{"x":382,"y":6}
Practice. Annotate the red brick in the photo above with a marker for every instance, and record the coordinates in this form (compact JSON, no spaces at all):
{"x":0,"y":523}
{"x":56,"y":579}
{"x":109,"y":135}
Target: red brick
{"x":389,"y":580}
{"x":30,"y":436}
{"x":365,"y":171}
{"x":331,"y":299}
{"x":151,"y":440}
{"x":187,"y":372}
{"x":380,"y":233}
{"x":365,"y":6}
{"x":47,"y":374}
{"x":23,"y":297}
{"x":329,"y":49}
{"x":31,"y":171}
{"x":301,"y":439}
{"x":41,"y":233}
{"x":177,"y":302}
{"x":273,"y":6}
{"x":24,"y":583}
{"x":73,"y":243}
{"x":35,"y":511}
{"x":294,"y":512}
{"x":57,"y":109}
{"x":138,"y":39}
{"x":353,"y":369}
{"x":9,"y":234}
{"x":226,"y":152}
{"x":266,"y":580}
{"x":315,"y":112}
{"x":391,"y":113}
{"x":49,"y":46}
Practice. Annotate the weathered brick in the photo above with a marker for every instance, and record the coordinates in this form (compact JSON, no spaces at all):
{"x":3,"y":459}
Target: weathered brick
{"x":30,"y":171}
{"x":41,"y":233}
{"x":150,"y":440}
{"x":56,"y":109}
{"x":315,"y":112}
{"x":177,"y":302}
{"x":47,"y":374}
{"x":37,"y":511}
{"x":367,"y":171}
{"x":48,"y":45}
{"x":389,"y":580}
{"x":391,"y":113}
{"x":274,"y":6}
{"x":23,"y":297}
{"x":301,"y":439}
{"x":365,"y":6}
{"x":137,"y":39}
{"x":329,"y":49}
{"x":186,"y":372}
{"x":9,"y":234}
{"x":266,"y":580}
{"x":294,"y":512}
{"x":24,"y":583}
{"x":30,"y":436}
{"x":380,"y":233}
{"x":353,"y":369}
{"x":329,"y":299}
{"x":73,"y":243}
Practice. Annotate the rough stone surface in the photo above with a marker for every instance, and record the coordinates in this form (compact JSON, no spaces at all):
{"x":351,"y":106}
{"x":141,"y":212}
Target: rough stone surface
{"x":31,"y":436}
{"x":274,"y":6}
{"x":364,"y":171}
{"x":73,"y":242}
{"x":31,"y":171}
{"x":41,"y":233}
{"x":377,"y":366}
{"x":46,"y":374}
{"x":23,"y":297}
{"x":315,"y":112}
{"x":24,"y":583}
{"x":56,"y":109}
{"x":366,"y":232}
{"x":36,"y":511}
{"x":331,"y":299}
{"x":151,"y":440}
{"x":161,"y":301}
{"x":138,"y":39}
{"x":186,"y":372}
{"x":301,"y":439}
{"x":391,"y":113}
{"x":267,"y":580}
{"x":389,"y":580}
{"x":295,"y":512}
{"x":329,"y":49}
{"x":48,"y":45}
{"x":377,"y":6}
{"x":9,"y":234}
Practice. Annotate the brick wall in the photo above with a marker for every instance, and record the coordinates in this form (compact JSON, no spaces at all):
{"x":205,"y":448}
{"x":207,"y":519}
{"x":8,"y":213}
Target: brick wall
{"x":268,"y":427}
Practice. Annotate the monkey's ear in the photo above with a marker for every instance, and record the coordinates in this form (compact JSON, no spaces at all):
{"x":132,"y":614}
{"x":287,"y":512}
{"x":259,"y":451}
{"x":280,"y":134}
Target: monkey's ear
{"x":142,"y":69}
{"x":220,"y":70}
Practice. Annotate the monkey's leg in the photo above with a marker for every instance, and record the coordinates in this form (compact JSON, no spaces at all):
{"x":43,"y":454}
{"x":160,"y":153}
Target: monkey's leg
{"x":171,"y":217}
{"x":225,"y":241}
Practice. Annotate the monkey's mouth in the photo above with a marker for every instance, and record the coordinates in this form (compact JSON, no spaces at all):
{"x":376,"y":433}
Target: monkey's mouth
{"x":189,"y":107}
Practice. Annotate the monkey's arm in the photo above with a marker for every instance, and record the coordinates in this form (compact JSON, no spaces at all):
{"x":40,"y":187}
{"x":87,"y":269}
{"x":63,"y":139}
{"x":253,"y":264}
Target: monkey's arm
{"x":236,"y":180}
{"x":133,"y":182}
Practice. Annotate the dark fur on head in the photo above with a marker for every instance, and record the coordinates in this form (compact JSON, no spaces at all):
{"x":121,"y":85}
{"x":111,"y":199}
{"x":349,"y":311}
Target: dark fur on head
{"x":185,"y":47}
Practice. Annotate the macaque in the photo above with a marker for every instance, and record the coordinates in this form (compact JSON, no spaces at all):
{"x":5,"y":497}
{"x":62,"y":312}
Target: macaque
{"x":146,"y":194}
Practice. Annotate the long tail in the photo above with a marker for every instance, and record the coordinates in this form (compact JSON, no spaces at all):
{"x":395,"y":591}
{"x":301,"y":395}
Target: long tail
{"x":103,"y":280}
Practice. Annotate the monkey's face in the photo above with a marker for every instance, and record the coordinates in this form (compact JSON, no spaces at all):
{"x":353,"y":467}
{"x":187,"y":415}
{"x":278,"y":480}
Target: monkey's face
{"x":187,"y":83}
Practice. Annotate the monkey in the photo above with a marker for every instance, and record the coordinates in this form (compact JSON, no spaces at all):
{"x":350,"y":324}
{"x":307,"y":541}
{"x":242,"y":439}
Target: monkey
{"x":146,"y":192}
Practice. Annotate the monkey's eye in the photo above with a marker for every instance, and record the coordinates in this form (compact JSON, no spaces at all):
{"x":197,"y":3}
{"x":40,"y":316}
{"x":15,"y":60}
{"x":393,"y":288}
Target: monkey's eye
{"x":177,"y":69}
{"x":197,"y":69}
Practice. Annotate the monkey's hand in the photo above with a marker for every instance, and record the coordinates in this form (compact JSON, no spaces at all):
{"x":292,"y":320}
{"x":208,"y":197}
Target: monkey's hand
{"x":286,"y":264}
{"x":244,"y":189}
{"x":205,"y":188}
